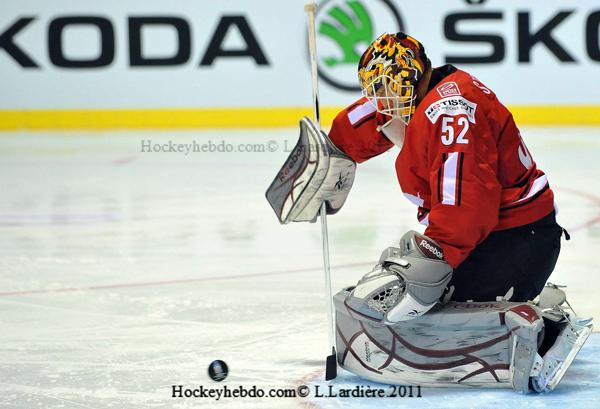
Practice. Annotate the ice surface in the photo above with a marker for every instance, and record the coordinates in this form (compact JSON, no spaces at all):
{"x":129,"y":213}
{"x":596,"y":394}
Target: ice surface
{"x":123,"y":273}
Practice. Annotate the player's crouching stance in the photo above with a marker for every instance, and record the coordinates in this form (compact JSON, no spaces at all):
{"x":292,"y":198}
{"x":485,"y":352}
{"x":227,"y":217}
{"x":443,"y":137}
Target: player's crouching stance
{"x":449,"y":307}
{"x":395,"y":326}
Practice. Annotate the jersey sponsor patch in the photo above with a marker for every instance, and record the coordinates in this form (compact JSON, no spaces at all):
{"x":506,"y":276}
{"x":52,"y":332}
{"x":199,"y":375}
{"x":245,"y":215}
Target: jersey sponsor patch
{"x":451,"y":106}
{"x":448,"y":89}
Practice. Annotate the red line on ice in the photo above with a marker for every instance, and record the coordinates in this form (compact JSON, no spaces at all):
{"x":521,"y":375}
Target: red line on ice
{"x":587,"y":224}
{"x":173,"y":282}
{"x":593,"y":198}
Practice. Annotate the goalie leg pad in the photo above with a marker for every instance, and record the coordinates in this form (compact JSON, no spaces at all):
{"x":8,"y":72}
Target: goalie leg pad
{"x":526,"y":324}
{"x":453,"y":345}
{"x":493,"y":344}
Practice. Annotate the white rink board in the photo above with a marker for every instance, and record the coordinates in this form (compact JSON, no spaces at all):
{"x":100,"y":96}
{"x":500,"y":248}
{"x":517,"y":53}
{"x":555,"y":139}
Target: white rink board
{"x":280,"y":30}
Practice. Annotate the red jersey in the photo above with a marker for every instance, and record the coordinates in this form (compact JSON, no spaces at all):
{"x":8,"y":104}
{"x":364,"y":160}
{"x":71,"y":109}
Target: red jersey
{"x":463,"y":162}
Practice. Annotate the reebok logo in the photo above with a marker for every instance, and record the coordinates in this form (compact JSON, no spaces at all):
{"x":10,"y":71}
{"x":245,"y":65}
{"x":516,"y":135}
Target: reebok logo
{"x":368,"y":352}
{"x":415,"y":313}
{"x":430,"y":250}
{"x":340,"y":182}
{"x":290,"y":165}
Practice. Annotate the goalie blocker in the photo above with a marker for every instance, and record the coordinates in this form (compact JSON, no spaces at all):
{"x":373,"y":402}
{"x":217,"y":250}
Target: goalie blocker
{"x":316,"y":171}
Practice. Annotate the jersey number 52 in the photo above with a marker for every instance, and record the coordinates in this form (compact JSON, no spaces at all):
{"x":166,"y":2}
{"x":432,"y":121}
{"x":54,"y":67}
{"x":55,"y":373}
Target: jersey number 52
{"x":448,"y":130}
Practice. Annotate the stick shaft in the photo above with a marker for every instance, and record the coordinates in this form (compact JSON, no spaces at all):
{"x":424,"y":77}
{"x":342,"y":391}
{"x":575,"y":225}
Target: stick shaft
{"x":327,"y":272}
{"x":311,"y":9}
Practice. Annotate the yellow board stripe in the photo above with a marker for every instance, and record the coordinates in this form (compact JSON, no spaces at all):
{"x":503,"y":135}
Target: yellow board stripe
{"x":99,"y":119}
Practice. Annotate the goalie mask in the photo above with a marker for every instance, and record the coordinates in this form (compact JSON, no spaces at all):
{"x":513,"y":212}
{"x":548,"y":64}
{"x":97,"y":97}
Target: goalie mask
{"x":389,"y":72}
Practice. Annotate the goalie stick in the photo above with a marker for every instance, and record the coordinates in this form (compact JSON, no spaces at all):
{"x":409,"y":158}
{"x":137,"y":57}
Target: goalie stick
{"x":331,"y":363}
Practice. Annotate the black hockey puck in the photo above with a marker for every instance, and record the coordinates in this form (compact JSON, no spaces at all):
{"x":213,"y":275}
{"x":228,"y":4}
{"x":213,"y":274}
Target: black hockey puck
{"x":217,"y":370}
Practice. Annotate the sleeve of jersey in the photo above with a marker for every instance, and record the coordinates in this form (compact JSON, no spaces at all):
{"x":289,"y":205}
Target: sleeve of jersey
{"x":465,"y":191}
{"x":354,"y":131}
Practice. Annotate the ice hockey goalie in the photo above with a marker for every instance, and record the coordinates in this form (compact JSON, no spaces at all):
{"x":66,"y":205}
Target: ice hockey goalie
{"x":464,"y":303}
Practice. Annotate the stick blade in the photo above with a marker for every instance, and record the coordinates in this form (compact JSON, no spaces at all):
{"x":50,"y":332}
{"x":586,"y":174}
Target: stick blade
{"x":331,"y":366}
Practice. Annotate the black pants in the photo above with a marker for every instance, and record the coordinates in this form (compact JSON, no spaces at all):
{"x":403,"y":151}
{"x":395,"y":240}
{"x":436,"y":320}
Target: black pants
{"x":522,"y":258}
